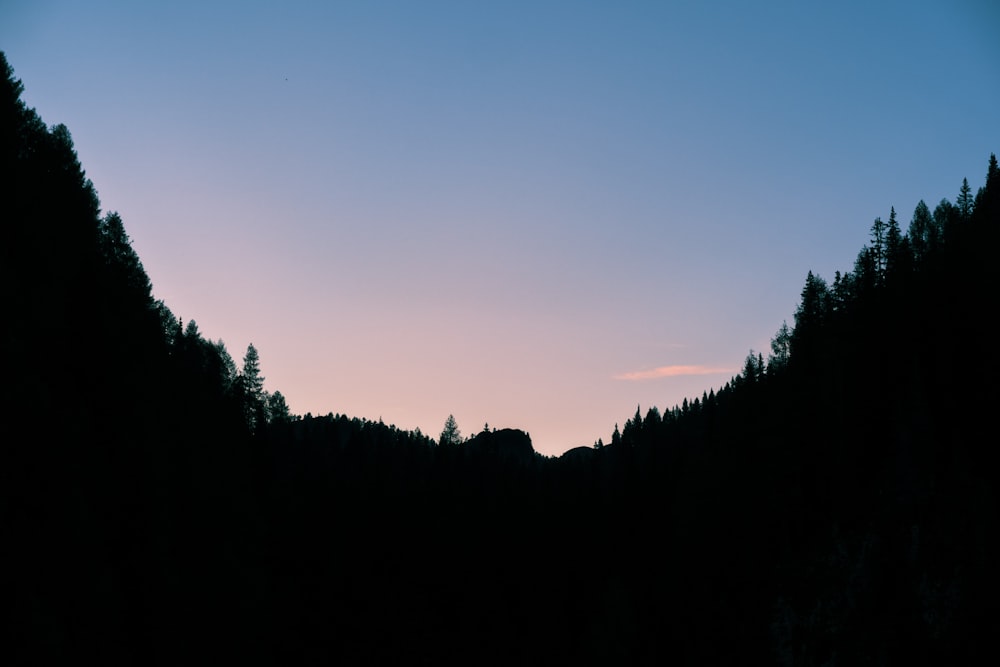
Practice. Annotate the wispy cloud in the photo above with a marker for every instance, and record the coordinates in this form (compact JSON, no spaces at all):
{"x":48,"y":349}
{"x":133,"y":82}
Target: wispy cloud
{"x":672,"y":371}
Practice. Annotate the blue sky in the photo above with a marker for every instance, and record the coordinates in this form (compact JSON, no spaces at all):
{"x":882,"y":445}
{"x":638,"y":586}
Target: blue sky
{"x":512,"y":212}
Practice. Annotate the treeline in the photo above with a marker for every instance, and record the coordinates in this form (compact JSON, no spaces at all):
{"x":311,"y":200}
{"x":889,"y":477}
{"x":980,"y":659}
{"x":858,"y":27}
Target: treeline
{"x":118,"y":421}
{"x":834,"y":503}
{"x":844,"y":488}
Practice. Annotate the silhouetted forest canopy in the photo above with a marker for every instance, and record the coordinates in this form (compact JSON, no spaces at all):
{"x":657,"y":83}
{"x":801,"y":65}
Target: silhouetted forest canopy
{"x":833,"y":503}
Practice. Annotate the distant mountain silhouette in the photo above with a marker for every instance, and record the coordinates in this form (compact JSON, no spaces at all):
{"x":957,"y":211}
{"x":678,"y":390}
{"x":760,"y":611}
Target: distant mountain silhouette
{"x":504,"y":445}
{"x":581,"y":454}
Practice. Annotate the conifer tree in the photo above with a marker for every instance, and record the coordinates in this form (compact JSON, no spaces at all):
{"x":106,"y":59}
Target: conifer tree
{"x":922,"y":232}
{"x":964,"y":201}
{"x":865,"y":273}
{"x":988,"y":194}
{"x":878,"y":248}
{"x":450,"y":435}
{"x":277,"y":408}
{"x":252,"y":385}
{"x":896,"y":247}
{"x":229,"y":374}
{"x":810,"y":315}
{"x":753,"y":367}
{"x":945,"y":216}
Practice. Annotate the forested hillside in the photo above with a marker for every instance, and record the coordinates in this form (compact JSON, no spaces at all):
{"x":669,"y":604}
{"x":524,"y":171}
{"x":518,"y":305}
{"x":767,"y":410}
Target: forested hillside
{"x":834,"y":503}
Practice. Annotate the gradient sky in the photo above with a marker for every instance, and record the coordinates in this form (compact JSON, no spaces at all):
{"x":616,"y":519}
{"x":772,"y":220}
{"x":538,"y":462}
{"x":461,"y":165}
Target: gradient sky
{"x":539,"y":215}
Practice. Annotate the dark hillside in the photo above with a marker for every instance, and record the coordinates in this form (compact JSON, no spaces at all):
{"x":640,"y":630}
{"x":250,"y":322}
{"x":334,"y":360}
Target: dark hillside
{"x":843,"y":492}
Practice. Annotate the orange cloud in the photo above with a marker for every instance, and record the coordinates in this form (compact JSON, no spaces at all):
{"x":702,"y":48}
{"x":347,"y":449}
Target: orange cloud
{"x":672,"y":371}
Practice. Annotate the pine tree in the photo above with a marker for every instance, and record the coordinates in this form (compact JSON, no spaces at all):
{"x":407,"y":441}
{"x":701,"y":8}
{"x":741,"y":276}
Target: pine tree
{"x":989,"y":193}
{"x":450,"y":435}
{"x":124,"y":272}
{"x":228,"y":375}
{"x":252,"y":385}
{"x":878,"y":248}
{"x":922,"y":233}
{"x":810,"y":315}
{"x":964,"y":201}
{"x":945,"y":217}
{"x":277,"y":408}
{"x":896,"y":247}
{"x":751,"y":369}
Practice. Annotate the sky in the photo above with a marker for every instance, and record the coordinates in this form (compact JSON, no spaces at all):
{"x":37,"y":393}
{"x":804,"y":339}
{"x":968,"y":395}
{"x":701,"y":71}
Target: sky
{"x":536,"y":215}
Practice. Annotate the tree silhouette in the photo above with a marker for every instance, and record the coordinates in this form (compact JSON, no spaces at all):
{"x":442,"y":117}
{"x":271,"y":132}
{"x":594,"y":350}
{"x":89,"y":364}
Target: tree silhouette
{"x":898,"y":255}
{"x":780,"y":349}
{"x":965,"y":200}
{"x":450,"y":435}
{"x":922,"y":232}
{"x":878,"y":248}
{"x":945,"y":217}
{"x":277,"y":408}
{"x":810,"y":316}
{"x":252,"y":386}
